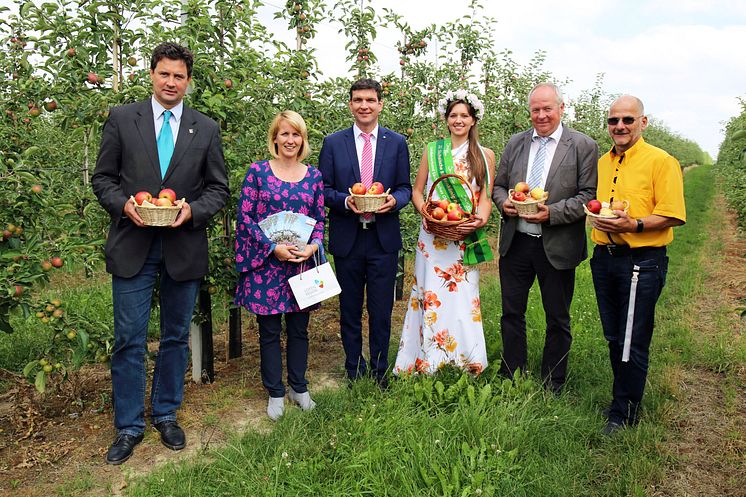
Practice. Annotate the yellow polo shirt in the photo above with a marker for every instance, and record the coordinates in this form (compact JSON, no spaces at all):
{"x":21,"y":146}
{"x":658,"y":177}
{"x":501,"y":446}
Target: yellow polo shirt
{"x":651,"y":180}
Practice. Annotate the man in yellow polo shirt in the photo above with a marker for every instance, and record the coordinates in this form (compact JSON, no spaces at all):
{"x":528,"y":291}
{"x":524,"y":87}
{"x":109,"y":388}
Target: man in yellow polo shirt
{"x":629,"y":262}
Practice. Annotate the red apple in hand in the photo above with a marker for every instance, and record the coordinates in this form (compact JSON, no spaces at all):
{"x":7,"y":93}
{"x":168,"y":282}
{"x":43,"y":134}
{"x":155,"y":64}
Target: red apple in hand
{"x":438,"y":213}
{"x":358,"y":189}
{"x":455,"y":215}
{"x":168,"y":193}
{"x":375,"y":189}
{"x":594,"y":206}
{"x":522,"y":186}
{"x":519,"y":196}
{"x":140,"y":197}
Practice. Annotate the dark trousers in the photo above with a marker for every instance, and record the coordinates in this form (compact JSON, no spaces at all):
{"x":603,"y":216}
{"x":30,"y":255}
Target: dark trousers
{"x":366,"y":266}
{"x":612,"y":279}
{"x":270,"y":330}
{"x":524,"y":262}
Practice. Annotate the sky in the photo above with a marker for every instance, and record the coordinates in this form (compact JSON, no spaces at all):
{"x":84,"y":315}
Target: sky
{"x":683,"y":58}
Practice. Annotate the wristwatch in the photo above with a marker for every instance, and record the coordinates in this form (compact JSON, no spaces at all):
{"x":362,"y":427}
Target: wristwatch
{"x":640,"y":226}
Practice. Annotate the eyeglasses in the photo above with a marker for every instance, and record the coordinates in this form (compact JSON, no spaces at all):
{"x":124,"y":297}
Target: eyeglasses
{"x":613,"y":121}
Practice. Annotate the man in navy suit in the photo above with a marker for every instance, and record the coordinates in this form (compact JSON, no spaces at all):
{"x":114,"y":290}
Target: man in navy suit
{"x":365,"y":247}
{"x":187,"y":157}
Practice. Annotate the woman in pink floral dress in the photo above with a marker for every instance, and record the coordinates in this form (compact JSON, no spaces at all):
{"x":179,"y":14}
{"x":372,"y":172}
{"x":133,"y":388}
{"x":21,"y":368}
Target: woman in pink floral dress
{"x":443,"y":324}
{"x":281,"y":184}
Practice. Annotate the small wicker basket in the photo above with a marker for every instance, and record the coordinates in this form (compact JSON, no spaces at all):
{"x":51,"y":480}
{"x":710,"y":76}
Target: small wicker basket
{"x":442,"y":228}
{"x":369,"y":202}
{"x":606,"y":204}
{"x":528,"y":206}
{"x":153,"y":215}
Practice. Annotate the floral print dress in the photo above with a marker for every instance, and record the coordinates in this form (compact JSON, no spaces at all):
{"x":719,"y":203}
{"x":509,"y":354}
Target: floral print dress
{"x":443,"y":324}
{"x":263,"y":286}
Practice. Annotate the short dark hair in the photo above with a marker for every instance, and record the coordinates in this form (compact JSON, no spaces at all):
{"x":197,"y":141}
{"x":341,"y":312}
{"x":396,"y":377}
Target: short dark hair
{"x":366,"y":84}
{"x":174,"y":52}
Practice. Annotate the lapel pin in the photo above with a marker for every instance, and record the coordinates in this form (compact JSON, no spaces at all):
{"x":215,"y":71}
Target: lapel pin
{"x":191,"y":130}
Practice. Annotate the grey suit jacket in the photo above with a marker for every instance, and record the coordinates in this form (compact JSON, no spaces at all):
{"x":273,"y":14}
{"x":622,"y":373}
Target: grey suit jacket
{"x":571,"y":183}
{"x":128,"y":163}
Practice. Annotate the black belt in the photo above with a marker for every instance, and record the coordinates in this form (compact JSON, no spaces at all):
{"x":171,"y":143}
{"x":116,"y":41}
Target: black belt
{"x":623,"y":250}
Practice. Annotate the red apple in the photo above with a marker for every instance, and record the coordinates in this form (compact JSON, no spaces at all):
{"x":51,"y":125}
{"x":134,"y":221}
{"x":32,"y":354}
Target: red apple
{"x":443,"y":204}
{"x":228,"y":83}
{"x":163,"y":202}
{"x":71,"y":52}
{"x":522,"y":186}
{"x":18,"y":291}
{"x":358,"y":189}
{"x":50,"y":106}
{"x":46,"y":266}
{"x":594,"y":206}
{"x":375,"y":189}
{"x":452,"y":207}
{"x":455,"y":215}
{"x":93,"y":78}
{"x":519,"y":196}
{"x":57,"y":262}
{"x":168,"y":193}
{"x":438,"y":213}
{"x":141,"y":197}
{"x":36,"y":188}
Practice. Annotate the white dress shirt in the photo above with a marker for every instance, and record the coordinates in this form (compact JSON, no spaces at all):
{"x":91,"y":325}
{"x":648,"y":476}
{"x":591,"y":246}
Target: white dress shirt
{"x":175,"y":120}
{"x":551,"y":147}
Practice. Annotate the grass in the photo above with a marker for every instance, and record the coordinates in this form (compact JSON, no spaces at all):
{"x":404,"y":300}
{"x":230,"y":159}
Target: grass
{"x":456,"y":436}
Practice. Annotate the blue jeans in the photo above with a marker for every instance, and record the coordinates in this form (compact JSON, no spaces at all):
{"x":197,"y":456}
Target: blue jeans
{"x":612,"y":279}
{"x":132,"y":298}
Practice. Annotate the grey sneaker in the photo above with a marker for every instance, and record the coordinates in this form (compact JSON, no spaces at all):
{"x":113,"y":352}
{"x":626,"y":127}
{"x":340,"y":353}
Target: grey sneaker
{"x":275,"y":407}
{"x":304,"y":399}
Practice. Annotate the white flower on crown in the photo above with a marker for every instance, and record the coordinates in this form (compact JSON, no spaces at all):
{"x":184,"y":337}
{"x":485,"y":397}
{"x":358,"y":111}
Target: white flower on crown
{"x":470,"y":98}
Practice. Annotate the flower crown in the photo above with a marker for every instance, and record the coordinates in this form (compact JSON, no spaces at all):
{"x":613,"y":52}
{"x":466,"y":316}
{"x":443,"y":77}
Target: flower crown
{"x":469,"y":98}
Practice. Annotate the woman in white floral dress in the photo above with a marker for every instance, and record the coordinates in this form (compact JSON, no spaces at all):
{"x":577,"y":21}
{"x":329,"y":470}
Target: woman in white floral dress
{"x":443,"y":324}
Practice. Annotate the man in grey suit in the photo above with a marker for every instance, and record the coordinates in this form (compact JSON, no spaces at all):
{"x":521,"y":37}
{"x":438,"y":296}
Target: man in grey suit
{"x":187,"y":158}
{"x":550,"y":244}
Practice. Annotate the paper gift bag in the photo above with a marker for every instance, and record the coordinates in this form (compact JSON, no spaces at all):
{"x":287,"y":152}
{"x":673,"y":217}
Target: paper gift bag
{"x":312,"y":286}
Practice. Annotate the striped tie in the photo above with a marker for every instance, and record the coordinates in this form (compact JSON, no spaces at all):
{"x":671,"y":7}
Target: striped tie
{"x":537,"y":170}
{"x":165,"y":143}
{"x":366,"y":167}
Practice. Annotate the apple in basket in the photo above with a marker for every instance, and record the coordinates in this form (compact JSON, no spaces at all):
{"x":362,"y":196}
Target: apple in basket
{"x":522,"y":186}
{"x":167,"y":193}
{"x":358,"y":189}
{"x":519,"y":196}
{"x":375,"y":189}
{"x":455,"y":215}
{"x":141,"y":197}
{"x":594,"y":206}
{"x":443,"y":204}
{"x":452,"y":206}
{"x":537,"y":193}
{"x":438,"y":213}
{"x":163,"y":202}
{"x":617,"y":205}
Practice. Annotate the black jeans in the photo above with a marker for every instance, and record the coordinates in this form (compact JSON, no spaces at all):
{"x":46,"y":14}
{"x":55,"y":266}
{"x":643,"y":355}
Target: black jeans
{"x":525,"y":262}
{"x":270,"y":329}
{"x":612,"y":279}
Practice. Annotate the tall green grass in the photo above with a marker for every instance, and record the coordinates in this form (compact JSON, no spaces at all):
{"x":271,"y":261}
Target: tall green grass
{"x":456,"y":436}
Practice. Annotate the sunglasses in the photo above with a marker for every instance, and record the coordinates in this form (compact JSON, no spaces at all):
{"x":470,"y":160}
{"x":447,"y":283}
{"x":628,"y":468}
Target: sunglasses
{"x":613,"y":121}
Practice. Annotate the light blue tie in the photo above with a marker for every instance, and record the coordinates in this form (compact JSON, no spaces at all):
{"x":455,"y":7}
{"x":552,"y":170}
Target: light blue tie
{"x":165,"y":143}
{"x":537,"y":170}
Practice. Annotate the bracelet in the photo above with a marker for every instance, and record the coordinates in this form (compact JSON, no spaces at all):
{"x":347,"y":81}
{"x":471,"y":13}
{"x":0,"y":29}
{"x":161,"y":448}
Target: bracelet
{"x":640,"y":226}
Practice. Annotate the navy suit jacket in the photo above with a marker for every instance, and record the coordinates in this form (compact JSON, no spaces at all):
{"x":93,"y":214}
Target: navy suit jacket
{"x":128,"y":163}
{"x":340,"y":168}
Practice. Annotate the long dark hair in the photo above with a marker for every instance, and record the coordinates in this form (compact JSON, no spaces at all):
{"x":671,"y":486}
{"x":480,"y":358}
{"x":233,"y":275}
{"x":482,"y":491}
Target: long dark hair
{"x":474,"y":154}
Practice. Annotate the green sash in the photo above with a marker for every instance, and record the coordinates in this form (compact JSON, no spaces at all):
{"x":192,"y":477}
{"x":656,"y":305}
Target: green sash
{"x":440,"y":162}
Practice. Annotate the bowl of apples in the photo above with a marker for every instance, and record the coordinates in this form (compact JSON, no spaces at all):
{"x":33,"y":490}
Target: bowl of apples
{"x":525,"y":199}
{"x":159,"y":211}
{"x":596,"y":208}
{"x":443,"y":216}
{"x":368,"y":199}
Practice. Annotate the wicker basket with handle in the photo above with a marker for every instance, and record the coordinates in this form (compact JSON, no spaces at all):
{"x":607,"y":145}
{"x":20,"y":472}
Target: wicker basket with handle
{"x":443,"y":228}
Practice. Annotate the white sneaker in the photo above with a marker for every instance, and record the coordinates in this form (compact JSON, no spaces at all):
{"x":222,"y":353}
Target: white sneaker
{"x":275,"y":407}
{"x":304,"y":399}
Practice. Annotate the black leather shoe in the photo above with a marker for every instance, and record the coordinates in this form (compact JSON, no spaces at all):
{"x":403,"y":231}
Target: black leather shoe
{"x":172,"y":436}
{"x":611,"y":428}
{"x":606,"y":411}
{"x":383,"y":383}
{"x":122,"y":448}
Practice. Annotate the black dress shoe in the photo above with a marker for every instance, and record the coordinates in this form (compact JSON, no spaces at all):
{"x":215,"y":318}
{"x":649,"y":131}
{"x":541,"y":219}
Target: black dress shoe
{"x":172,"y":436}
{"x":122,"y":448}
{"x":611,"y":428}
{"x":606,"y":411}
{"x":383,"y":383}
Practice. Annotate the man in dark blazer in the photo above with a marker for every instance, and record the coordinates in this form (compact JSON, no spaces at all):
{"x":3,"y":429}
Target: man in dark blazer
{"x":550,"y":244}
{"x":365,"y":247}
{"x":131,"y":159}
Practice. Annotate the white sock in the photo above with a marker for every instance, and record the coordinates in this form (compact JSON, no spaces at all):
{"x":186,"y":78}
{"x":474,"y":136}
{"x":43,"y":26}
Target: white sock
{"x":275,"y":407}
{"x":304,"y":399}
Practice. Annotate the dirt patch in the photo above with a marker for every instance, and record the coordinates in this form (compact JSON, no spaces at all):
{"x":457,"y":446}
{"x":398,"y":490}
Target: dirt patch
{"x":709,"y":442}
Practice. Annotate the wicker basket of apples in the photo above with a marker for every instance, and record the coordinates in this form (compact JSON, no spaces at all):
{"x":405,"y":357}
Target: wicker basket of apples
{"x":596,"y":208}
{"x":444,"y":216}
{"x":368,"y":199}
{"x":161,"y":211}
{"x":525,"y":199}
